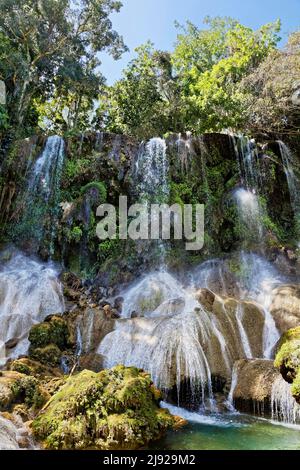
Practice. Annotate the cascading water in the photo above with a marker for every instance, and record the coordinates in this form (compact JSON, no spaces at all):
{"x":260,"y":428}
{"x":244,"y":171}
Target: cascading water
{"x":246,"y":276}
{"x":248,"y":162}
{"x":250,"y":215}
{"x":29,"y":291}
{"x":39,"y":204}
{"x":151,"y":172}
{"x":166,"y":339}
{"x":284,"y":407}
{"x":292,"y":180}
{"x":169,"y":333}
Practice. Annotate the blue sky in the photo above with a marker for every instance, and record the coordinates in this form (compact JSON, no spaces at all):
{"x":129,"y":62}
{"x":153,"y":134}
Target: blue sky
{"x":140,"y":20}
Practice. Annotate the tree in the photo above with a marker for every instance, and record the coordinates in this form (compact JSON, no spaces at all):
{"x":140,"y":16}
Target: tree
{"x":272,"y":91}
{"x":146,"y":101}
{"x":211,"y":63}
{"x":46,"y":39}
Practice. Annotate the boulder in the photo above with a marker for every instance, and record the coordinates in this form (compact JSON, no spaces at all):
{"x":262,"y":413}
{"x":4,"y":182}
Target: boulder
{"x":285,"y":307}
{"x":254,"y":382}
{"x":114,"y":409}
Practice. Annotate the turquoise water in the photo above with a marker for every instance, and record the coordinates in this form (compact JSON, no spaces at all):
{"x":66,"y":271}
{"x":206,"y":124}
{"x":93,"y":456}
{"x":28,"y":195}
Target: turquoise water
{"x":230,"y":432}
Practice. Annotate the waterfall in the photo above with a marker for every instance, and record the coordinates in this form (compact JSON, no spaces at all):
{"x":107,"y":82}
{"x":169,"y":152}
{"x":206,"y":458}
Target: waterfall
{"x":250,"y":215}
{"x":29,"y":291}
{"x":243,"y":334}
{"x":234,"y":380}
{"x":151,"y":172}
{"x":293,"y":183}
{"x":40,"y":203}
{"x":167,"y":338}
{"x":248,"y":161}
{"x":246,"y":276}
{"x":284,"y":407}
{"x":184,"y":150}
{"x":167,"y":332}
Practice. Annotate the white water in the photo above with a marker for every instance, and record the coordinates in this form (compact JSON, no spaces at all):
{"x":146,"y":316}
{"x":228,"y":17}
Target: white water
{"x":246,"y":276}
{"x":173,"y":337}
{"x":213,"y":420}
{"x":248,"y":161}
{"x":250,"y":214}
{"x":284,"y":407}
{"x":243,"y":334}
{"x":293,"y":183}
{"x":40,"y":203}
{"x":8,"y":435}
{"x":47,"y":168}
{"x":151,"y":172}
{"x":29,"y":291}
{"x":234,"y":381}
{"x":169,"y":338}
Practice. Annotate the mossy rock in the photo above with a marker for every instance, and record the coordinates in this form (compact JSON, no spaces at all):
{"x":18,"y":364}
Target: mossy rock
{"x":288,"y":356}
{"x":53,"y":331}
{"x":17,"y":388}
{"x":33,"y":368}
{"x":113,"y":409}
{"x":27,"y":390}
{"x":50,"y":355}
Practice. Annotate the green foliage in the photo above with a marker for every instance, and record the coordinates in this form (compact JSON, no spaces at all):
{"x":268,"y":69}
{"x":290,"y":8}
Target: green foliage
{"x":48,"y":53}
{"x":269,"y":91}
{"x":196,"y":87}
{"x":75,"y":167}
{"x":4,"y":118}
{"x":146,"y":101}
{"x":28,"y":391}
{"x":75,"y":234}
{"x":218,"y":59}
{"x":115,"y":409}
{"x":99,"y":186}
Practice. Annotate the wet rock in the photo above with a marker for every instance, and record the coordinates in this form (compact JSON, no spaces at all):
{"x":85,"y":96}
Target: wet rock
{"x":11,"y":343}
{"x":118,"y":304}
{"x":110,"y":312}
{"x":253,"y":390}
{"x":206,"y":298}
{"x":92,"y":362}
{"x":285,"y":307}
{"x":94,"y":325}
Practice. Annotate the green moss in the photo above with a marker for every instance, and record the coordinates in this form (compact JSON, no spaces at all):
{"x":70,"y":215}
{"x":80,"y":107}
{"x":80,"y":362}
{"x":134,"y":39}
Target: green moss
{"x":28,"y":391}
{"x":49,"y":355}
{"x":288,"y":356}
{"x":114,"y":409}
{"x":55,"y":331}
{"x":99,"y":186}
{"x":19,"y":366}
{"x":296,"y":388}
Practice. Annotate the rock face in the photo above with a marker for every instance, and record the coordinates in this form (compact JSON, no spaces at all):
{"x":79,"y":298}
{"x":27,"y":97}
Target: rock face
{"x":285,"y":307}
{"x":253,"y":389}
{"x":115,"y":409}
